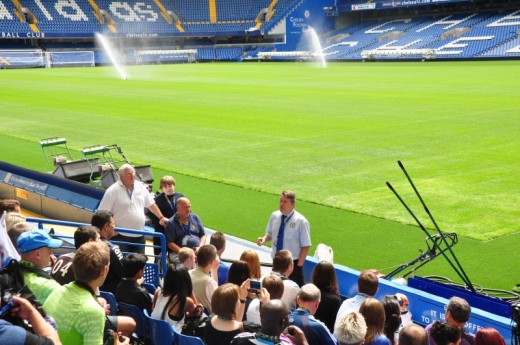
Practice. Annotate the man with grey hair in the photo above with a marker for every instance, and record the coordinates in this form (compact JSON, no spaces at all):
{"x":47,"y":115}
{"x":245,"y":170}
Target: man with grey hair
{"x":127,"y":199}
{"x":413,"y":335}
{"x":458,"y":312}
{"x":316,"y":332}
{"x":351,"y":329}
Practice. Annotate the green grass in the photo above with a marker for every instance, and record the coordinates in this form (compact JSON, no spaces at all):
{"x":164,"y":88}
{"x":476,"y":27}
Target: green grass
{"x":235,"y":135}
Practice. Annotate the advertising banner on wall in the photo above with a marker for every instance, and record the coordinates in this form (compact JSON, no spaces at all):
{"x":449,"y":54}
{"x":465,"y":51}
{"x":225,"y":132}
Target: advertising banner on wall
{"x":310,"y":14}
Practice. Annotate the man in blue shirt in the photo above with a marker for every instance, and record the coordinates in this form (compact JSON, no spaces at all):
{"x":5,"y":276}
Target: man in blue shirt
{"x":315,"y":331}
{"x":218,"y":239}
{"x":184,"y":229}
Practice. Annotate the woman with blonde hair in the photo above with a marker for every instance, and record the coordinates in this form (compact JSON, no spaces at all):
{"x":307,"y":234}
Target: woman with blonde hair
{"x":253,"y":260}
{"x":374,"y":314}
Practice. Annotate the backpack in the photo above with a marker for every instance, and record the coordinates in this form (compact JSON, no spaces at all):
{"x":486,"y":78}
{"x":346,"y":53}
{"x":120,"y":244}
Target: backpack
{"x":195,"y":326}
{"x":11,"y":276}
{"x":12,"y":283}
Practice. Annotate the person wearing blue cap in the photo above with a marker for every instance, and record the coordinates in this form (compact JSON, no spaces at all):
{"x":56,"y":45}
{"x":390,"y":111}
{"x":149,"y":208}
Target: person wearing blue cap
{"x":35,"y":247}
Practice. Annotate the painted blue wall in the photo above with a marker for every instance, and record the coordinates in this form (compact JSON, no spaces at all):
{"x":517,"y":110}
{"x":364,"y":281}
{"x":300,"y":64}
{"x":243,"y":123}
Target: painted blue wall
{"x":309,"y":13}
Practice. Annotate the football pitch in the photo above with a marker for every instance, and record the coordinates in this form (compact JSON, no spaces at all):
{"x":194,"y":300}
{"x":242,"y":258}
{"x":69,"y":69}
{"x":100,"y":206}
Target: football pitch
{"x":235,"y":135}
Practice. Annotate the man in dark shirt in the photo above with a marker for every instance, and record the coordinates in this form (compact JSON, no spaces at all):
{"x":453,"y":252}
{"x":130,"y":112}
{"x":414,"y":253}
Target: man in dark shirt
{"x":104,"y":221}
{"x":184,"y":229}
{"x":130,"y":290}
{"x":167,"y":203}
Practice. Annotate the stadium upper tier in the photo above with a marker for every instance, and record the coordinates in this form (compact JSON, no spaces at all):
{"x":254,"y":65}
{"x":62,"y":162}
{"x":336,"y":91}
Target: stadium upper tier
{"x":490,"y":34}
{"x":81,"y":18}
{"x":470,"y":35}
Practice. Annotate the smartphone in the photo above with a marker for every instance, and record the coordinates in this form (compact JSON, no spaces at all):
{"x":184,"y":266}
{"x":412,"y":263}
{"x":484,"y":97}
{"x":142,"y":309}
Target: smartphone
{"x":255,"y":285}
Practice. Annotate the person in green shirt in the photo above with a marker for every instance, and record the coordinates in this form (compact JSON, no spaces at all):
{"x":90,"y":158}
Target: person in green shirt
{"x":35,"y":247}
{"x":74,"y":307}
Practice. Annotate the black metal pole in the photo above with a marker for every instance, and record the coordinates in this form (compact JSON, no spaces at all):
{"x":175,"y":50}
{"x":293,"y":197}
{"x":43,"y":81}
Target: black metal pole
{"x":421,"y":226}
{"x":466,"y":280}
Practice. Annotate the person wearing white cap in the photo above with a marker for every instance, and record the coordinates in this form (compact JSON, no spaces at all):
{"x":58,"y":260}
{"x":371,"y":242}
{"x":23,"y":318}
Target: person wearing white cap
{"x":35,"y":247}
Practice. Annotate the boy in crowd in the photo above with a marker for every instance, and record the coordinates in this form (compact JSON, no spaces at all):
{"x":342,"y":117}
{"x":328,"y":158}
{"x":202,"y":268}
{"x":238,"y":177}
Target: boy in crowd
{"x":130,"y":290}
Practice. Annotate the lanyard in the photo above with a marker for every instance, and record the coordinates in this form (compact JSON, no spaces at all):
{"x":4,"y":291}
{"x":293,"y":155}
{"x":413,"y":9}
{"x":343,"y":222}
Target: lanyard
{"x":171,"y":203}
{"x":186,"y":227}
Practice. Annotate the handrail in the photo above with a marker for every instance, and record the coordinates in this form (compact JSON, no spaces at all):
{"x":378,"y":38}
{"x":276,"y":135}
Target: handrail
{"x":162,"y":256}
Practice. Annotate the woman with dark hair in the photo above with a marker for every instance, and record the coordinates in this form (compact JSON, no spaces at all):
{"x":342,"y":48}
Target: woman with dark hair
{"x":488,"y":336}
{"x":374,"y":314}
{"x":227,"y":303}
{"x":392,"y":317}
{"x":445,"y":334}
{"x":175,"y":299}
{"x":324,"y":277}
{"x":238,"y":272}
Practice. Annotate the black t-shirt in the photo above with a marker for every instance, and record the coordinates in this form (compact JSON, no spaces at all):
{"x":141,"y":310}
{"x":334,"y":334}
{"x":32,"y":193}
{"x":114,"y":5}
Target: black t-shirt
{"x":130,"y":292}
{"x":115,"y":271}
{"x":328,"y":309}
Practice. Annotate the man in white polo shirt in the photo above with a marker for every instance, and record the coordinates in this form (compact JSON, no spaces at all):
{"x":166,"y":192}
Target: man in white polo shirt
{"x":127,"y":199}
{"x":288,"y":229}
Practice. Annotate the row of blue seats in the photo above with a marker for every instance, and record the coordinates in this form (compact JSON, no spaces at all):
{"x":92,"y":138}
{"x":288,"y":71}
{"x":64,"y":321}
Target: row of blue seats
{"x":425,"y":33}
{"x":79,"y":15}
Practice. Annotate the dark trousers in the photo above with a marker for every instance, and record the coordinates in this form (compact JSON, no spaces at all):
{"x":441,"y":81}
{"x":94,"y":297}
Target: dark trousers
{"x":128,"y":247}
{"x":297,"y":274}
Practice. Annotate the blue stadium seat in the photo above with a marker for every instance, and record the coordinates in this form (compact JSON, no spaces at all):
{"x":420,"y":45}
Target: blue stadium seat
{"x":138,"y":315}
{"x":160,"y":332}
{"x":111,"y":300}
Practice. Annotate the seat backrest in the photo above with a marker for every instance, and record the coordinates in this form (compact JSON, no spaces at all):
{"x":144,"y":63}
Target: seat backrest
{"x":111,"y":299}
{"x":151,"y":273}
{"x":160,"y":332}
{"x":187,"y":340}
{"x":138,"y":315}
{"x":150,"y":288}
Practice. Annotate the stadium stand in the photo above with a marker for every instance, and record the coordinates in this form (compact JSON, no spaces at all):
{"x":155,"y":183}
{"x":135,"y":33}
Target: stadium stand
{"x":230,"y":30}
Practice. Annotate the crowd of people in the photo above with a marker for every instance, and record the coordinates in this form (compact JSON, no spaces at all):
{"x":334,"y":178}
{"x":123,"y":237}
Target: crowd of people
{"x":242,"y":304}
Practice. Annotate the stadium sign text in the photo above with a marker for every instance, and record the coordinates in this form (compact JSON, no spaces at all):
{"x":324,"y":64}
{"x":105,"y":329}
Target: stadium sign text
{"x":22,"y":35}
{"x":298,"y":22}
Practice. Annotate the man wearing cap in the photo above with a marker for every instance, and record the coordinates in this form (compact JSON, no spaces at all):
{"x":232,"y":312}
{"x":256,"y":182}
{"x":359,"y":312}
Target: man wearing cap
{"x":35,"y":247}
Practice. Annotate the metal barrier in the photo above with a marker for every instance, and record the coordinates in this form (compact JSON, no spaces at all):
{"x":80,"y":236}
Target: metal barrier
{"x":153,"y":271}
